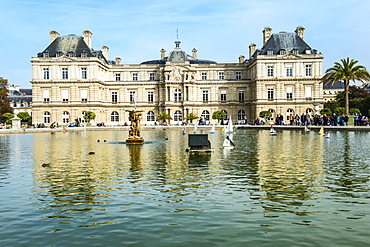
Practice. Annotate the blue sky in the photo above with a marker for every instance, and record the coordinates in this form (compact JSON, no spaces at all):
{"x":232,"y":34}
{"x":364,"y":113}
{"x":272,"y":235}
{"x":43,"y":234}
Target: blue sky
{"x":220,"y":30}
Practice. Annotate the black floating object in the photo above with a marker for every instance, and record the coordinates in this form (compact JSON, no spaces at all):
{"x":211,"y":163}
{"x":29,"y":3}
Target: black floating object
{"x":92,"y":153}
{"x":166,"y":138}
{"x":45,"y":165}
{"x":105,"y":140}
{"x":98,"y":140}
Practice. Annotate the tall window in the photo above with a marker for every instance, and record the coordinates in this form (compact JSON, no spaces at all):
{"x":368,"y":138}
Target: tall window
{"x":221,"y":75}
{"x":65,"y":73}
{"x":204,"y":76}
{"x":118,"y":77}
{"x":46,"y":73}
{"x":65,"y":95}
{"x":84,"y":95}
{"x":83,"y":73}
{"x":114,"y":117}
{"x":46,"y":95}
{"x":241,"y":95}
{"x":308,"y":70}
{"x":289,"y":71}
{"x":46,"y":117}
{"x":223,"y":95}
{"x":205,"y":114}
{"x":289,"y":92}
{"x":134,"y":76}
{"x":150,"y":96}
{"x":270,"y":70}
{"x":238,"y":75}
{"x":114,"y":96}
{"x":272,"y":115}
{"x":132,"y":96}
{"x":65,"y":117}
{"x":177,"y":116}
{"x":150,"y":116}
{"x":177,"y":95}
{"x":205,"y":96}
{"x":151,"y":77}
{"x":241,"y":115}
{"x":270,"y":93}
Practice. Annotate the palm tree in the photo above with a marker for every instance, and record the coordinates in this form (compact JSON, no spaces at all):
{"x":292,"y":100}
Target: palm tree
{"x":346,"y":71}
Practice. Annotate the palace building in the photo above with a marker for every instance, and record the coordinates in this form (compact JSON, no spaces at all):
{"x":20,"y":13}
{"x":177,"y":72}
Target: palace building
{"x":69,"y":78}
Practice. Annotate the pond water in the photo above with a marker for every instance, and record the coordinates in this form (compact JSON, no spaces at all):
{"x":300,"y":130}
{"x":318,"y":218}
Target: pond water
{"x":292,"y":189}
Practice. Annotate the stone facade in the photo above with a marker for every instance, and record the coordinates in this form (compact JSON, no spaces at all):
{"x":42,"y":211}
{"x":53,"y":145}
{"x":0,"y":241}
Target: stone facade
{"x":70,"y":78}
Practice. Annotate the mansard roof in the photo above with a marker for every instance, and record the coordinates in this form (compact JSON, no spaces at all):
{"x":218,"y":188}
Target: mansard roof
{"x":178,"y":55}
{"x":64,"y":45}
{"x":288,"y":42}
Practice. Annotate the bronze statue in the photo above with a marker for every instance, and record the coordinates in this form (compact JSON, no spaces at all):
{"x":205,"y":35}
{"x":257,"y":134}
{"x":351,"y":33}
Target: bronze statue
{"x":134,"y":133}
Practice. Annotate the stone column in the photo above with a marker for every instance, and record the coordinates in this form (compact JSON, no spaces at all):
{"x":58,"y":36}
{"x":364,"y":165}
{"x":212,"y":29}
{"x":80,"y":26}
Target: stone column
{"x":16,"y":123}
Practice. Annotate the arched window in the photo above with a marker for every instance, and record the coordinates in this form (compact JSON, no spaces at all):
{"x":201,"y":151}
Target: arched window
{"x":177,"y":116}
{"x":150,"y":116}
{"x":177,"y":95}
{"x":272,"y":115}
{"x":114,"y":117}
{"x":65,"y":117}
{"x":241,"y":115}
{"x":288,"y":113}
{"x":309,"y":111}
{"x":46,"y":117}
{"x":226,"y":116}
{"x":205,"y":114}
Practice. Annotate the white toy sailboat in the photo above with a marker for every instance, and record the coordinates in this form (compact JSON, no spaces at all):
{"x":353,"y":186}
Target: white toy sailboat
{"x":272,"y":131}
{"x":322,"y":132}
{"x":213,"y":129}
{"x":306,"y":128}
{"x":230,"y":127}
{"x":184,"y":131}
{"x":327,"y":135}
{"x":228,"y":143}
{"x":195,"y":127}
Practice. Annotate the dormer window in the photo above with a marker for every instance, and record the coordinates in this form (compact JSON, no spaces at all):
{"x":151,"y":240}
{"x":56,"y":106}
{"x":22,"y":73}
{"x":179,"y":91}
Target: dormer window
{"x":83,"y":53}
{"x":308,"y":51}
{"x":270,"y":52}
{"x":45,"y":54}
{"x":71,"y":54}
{"x":282,"y":52}
{"x":295,"y":51}
{"x":59,"y":54}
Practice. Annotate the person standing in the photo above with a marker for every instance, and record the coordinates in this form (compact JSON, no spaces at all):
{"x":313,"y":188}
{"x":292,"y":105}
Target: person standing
{"x":355,"y":118}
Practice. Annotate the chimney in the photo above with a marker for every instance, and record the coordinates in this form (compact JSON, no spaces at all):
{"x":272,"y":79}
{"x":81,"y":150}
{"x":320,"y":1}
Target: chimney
{"x":266,"y":34}
{"x":87,"y":37}
{"x":300,"y":32}
{"x":194,"y":51}
{"x":163,"y":53}
{"x":252,"y":50}
{"x":53,"y":35}
{"x":105,"y":51}
{"x":241,"y":59}
{"x":118,"y":60}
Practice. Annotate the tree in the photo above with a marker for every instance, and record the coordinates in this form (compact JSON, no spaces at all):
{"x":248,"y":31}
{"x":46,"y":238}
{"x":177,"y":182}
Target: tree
{"x":354,"y":110}
{"x":191,"y":116}
{"x":265,"y":114}
{"x":346,"y":71}
{"x":164,"y":116}
{"x":4,"y":97}
{"x":8,"y":116}
{"x":218,"y":115}
{"x":326,"y":111}
{"x":89,"y":115}
{"x":24,"y":116}
{"x":339,"y":111}
{"x":354,"y":92}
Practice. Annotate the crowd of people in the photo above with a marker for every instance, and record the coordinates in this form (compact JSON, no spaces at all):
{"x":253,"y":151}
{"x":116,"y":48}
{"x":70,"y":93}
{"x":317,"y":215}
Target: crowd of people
{"x":318,"y":120}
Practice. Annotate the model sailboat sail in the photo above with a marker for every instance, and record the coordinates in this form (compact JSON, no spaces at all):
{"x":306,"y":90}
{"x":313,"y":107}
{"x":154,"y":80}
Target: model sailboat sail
{"x":213,"y":129}
{"x":322,"y":132}
{"x":228,"y":143}
{"x":230,"y":127}
{"x":272,"y":131}
{"x":306,"y":128}
{"x":195,"y":127}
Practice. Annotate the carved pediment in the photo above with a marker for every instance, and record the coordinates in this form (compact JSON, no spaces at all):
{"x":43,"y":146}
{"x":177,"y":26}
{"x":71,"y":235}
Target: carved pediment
{"x":291,"y":56}
{"x":64,"y":58}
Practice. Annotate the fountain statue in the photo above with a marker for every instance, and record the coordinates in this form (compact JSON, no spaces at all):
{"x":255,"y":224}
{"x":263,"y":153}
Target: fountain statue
{"x":134,"y":134}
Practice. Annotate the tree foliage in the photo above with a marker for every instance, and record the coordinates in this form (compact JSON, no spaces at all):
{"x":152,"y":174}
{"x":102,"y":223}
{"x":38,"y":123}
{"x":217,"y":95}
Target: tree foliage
{"x":326,"y":111}
{"x":89,"y":115}
{"x":164,"y":116}
{"x":265,"y":114}
{"x":4,"y":97}
{"x":347,"y":70}
{"x":24,"y":116}
{"x":354,"y":110}
{"x":339,"y":110}
{"x":8,"y":117}
{"x":218,"y":115}
{"x":191,"y":116}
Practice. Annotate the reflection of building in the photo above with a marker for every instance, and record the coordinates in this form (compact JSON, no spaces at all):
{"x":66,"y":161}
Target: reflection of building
{"x":331,"y":91}
{"x":69,"y":77}
{"x":20,"y":99}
